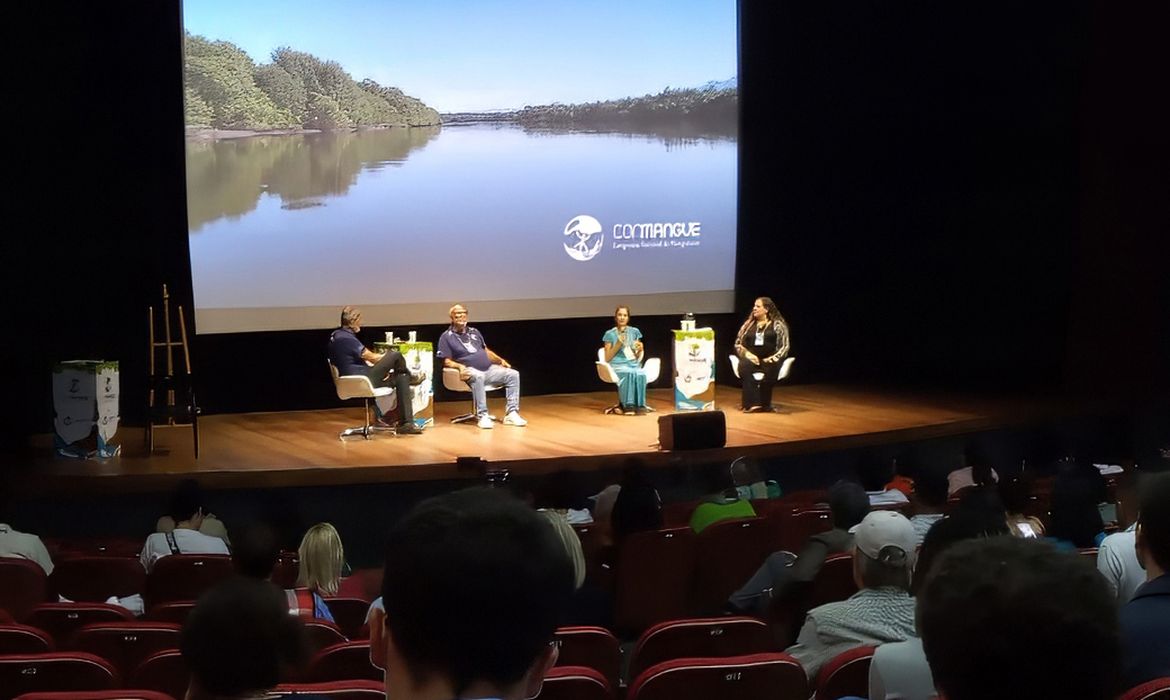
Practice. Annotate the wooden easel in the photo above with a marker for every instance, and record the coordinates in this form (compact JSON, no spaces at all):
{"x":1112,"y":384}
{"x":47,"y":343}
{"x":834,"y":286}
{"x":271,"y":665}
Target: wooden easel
{"x":172,"y":397}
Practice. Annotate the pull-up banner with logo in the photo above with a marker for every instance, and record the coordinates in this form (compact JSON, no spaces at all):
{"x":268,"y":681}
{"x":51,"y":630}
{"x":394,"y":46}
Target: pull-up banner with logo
{"x":85,"y":404}
{"x":694,"y":370}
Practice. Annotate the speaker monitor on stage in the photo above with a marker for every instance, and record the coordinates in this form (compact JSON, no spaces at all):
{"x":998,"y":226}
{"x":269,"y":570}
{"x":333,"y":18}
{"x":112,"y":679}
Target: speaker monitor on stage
{"x":692,"y":431}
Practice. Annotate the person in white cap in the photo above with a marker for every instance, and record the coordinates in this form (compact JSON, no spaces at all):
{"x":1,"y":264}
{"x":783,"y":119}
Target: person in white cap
{"x":881,"y":611}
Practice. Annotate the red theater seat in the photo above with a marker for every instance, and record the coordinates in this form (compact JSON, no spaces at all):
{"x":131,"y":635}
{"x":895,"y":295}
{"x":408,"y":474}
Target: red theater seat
{"x":23,"y":586}
{"x":728,"y":553}
{"x":185,"y":576}
{"x":96,"y":579}
{"x":653,"y":578}
{"x":575,"y":683}
{"x":341,"y":690}
{"x":753,"y":677}
{"x":845,"y":674}
{"x":56,"y":671}
{"x":99,"y":695}
{"x":175,"y":611}
{"x":709,"y":637}
{"x":1157,"y":689}
{"x":321,"y":634}
{"x":343,"y":662}
{"x":61,"y":620}
{"x":591,"y":647}
{"x":23,"y":639}
{"x":126,"y":644}
{"x":164,"y":671}
{"x":349,"y":614}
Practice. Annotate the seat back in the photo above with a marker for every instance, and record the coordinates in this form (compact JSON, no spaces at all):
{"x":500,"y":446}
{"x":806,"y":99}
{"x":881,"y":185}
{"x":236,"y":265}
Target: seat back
{"x":97,"y":579}
{"x":1157,"y":689}
{"x":120,"y":694}
{"x":61,"y":620}
{"x":834,"y":581}
{"x":592,"y":647}
{"x":353,"y":386}
{"x":97,"y":547}
{"x":175,"y":611}
{"x":349,"y":614}
{"x":605,"y":372}
{"x":56,"y":671}
{"x":729,"y":552}
{"x":786,"y":368}
{"x":710,"y":637}
{"x":164,"y":671}
{"x":339,"y":690}
{"x":845,"y":674}
{"x":23,"y":586}
{"x":322,"y":633}
{"x":126,"y":644}
{"x":653,"y":578}
{"x":345,"y":661}
{"x":23,"y":639}
{"x":793,"y":529}
{"x":734,"y":360}
{"x":575,"y":683}
{"x":185,"y":576}
{"x":772,"y":676}
{"x":284,"y":573}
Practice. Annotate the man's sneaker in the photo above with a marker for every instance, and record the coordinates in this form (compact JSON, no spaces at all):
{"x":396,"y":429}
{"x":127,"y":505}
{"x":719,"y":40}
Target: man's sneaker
{"x":408,"y":429}
{"x":514,"y":418}
{"x":485,"y":422}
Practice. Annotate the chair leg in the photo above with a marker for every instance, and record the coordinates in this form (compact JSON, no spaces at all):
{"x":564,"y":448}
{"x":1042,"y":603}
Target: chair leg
{"x":365,"y":430}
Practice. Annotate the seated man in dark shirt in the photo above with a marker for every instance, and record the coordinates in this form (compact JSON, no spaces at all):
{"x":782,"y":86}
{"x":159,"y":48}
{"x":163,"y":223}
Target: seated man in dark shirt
{"x":351,"y":358}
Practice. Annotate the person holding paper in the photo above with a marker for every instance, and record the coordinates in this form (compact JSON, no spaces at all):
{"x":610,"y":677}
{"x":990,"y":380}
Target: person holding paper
{"x":761,"y":345}
{"x":624,"y":352}
{"x":351,"y":357}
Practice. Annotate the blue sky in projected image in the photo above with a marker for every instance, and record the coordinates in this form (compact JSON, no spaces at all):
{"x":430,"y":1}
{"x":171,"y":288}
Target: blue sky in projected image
{"x":492,"y":54}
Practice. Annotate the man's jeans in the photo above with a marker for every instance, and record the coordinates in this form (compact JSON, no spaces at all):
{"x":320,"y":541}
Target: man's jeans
{"x":495,"y":375}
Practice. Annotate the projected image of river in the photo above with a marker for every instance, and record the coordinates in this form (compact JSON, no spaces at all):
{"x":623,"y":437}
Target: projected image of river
{"x":458,"y":212}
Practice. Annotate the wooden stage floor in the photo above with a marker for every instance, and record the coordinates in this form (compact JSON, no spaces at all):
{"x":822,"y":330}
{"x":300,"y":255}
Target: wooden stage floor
{"x":301,"y":448}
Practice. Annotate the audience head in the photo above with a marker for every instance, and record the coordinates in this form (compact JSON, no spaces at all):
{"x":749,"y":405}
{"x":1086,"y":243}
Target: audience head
{"x":884,"y":550}
{"x":638,"y":507}
{"x":745,"y":471}
{"x":351,"y":318}
{"x":1075,"y":517}
{"x":256,"y":550}
{"x":474,"y":585}
{"x":930,"y":488}
{"x":1005,"y":617}
{"x":963,"y":525}
{"x":1153,"y":529}
{"x":1014,"y":492}
{"x":1130,"y":490}
{"x":561,"y":490}
{"x":571,"y":542}
{"x":983,"y":500}
{"x":322,"y":557}
{"x":849,"y":504}
{"x":187,"y":503}
{"x":239,"y":638}
{"x":874,"y":472}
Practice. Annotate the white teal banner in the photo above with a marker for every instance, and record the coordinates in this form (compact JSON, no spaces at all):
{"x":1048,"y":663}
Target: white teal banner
{"x":694,"y":370}
{"x":85,"y":405}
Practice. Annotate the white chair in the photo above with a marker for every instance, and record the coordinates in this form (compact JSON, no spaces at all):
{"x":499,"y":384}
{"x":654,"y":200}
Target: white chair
{"x":453,"y":382}
{"x":606,"y":373}
{"x":359,"y":386}
{"x":785,"y":368}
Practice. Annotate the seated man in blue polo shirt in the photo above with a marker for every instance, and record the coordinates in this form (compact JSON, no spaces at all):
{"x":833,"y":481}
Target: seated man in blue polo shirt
{"x":350,"y":358}
{"x":463,"y":348}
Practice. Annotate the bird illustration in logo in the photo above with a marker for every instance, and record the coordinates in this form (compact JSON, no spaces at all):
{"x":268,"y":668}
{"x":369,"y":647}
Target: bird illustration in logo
{"x":583,"y":238}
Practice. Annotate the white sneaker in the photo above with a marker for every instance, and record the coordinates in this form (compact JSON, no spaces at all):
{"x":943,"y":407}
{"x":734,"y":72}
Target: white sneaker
{"x":485,"y":422}
{"x":514,"y":418}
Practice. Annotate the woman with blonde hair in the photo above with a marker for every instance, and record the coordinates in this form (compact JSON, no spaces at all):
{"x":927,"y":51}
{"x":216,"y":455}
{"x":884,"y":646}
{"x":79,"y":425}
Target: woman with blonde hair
{"x":321,"y":559}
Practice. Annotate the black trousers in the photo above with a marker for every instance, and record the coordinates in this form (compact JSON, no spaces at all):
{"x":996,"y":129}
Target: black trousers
{"x":758,"y":392}
{"x":392,"y":371}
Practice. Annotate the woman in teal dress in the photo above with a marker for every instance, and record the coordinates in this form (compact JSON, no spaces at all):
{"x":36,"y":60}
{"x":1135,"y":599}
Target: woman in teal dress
{"x":623,"y":351}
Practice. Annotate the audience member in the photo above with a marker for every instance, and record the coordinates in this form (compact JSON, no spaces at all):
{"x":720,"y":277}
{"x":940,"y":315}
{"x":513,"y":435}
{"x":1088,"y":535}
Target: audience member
{"x":256,"y":551}
{"x":905,"y":473}
{"x":977,"y":472}
{"x":749,"y":480}
{"x":898,"y":670}
{"x":211,"y":525}
{"x":322,"y":558}
{"x":473,"y":589}
{"x":187,"y":512}
{"x":1076,"y":520}
{"x":1013,"y":618}
{"x":928,"y":501}
{"x":638,"y":507}
{"x":590,"y":604}
{"x":239,"y":641}
{"x":563,"y":492}
{"x":774,"y":579}
{"x":722,"y":501}
{"x":881,"y":611}
{"x":14,"y":543}
{"x":874,"y":473}
{"x":1117,"y":554}
{"x":1015,"y":491}
{"x":1145,"y":619}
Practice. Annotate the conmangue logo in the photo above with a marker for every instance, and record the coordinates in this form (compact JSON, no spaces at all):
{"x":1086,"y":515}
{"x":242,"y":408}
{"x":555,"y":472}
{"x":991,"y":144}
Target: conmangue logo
{"x":583,"y":238}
